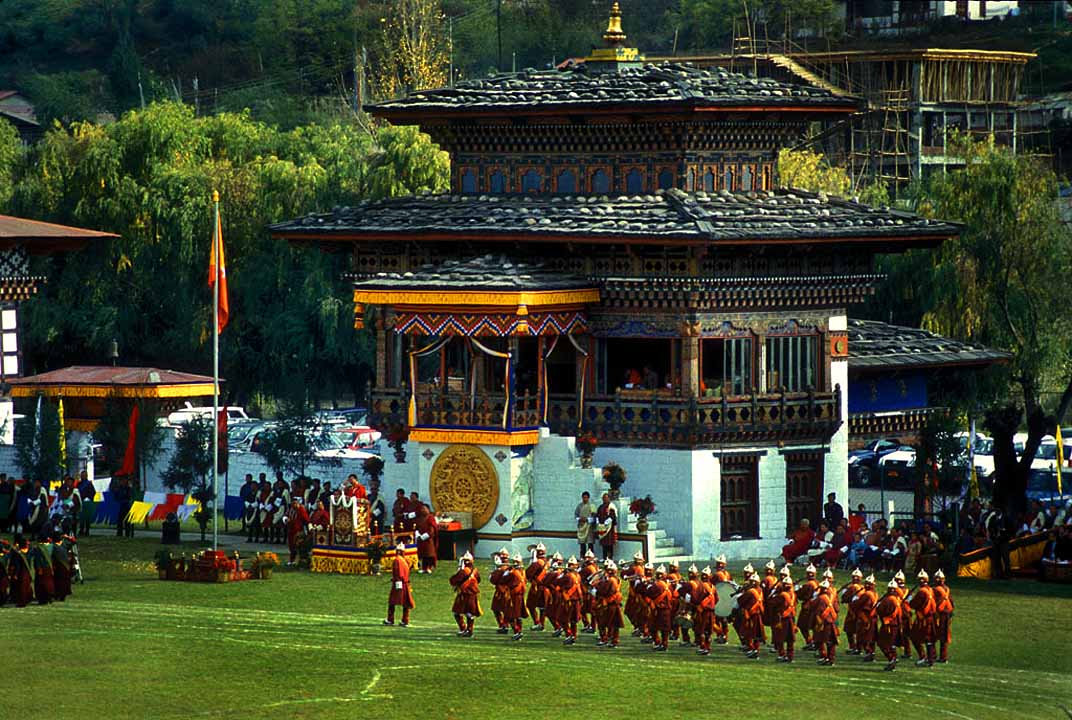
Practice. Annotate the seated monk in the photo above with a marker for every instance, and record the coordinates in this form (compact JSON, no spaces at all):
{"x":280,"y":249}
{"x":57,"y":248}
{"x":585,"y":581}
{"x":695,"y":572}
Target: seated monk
{"x":320,"y":516}
{"x":800,"y":542}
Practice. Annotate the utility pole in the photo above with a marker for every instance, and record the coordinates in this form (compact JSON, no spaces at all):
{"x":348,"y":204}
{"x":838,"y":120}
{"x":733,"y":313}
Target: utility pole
{"x":498,"y":31}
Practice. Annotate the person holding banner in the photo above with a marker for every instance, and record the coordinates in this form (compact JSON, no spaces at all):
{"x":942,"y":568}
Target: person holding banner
{"x":401,"y":595}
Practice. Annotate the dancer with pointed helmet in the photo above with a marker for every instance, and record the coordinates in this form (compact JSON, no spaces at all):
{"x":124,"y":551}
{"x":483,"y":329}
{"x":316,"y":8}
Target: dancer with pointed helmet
{"x":514,"y":611}
{"x":536,"y":600}
{"x":502,"y":594}
{"x":552,"y":581}
{"x":862,"y":607}
{"x":719,"y":627}
{"x":401,"y":594}
{"x":904,"y":633}
{"x":825,"y":616}
{"x":783,"y":604}
{"x":924,"y":610}
{"x":751,"y":615}
{"x":570,"y":596}
{"x":589,"y":568}
{"x":846,"y":594}
{"x":806,"y":592}
{"x":684,"y":591}
{"x":608,"y":603}
{"x":466,"y":584}
{"x":704,"y":599}
{"x":662,"y":608}
{"x":633,"y":575}
{"x":943,"y":602}
{"x":888,"y":623}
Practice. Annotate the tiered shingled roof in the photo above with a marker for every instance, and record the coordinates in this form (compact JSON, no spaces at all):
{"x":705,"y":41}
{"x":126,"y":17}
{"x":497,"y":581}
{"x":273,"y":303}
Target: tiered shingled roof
{"x":487,"y":272}
{"x":675,"y":86}
{"x":785,"y":215}
{"x":877,"y":346}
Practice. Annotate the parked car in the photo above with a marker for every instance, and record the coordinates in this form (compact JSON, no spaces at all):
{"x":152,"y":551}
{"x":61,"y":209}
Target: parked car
{"x":359,"y":438}
{"x":239,"y":435}
{"x":1042,"y":484}
{"x":864,"y":460}
{"x":897,"y":469}
{"x":234,"y":414}
{"x":332,"y":445}
{"x":1046,"y":455}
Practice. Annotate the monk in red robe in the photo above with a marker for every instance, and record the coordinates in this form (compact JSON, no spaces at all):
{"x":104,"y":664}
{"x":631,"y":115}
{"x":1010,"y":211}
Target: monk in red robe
{"x":466,"y":584}
{"x":353,"y":488}
{"x":320,"y":517}
{"x":427,"y":533}
{"x":44,"y":581}
{"x":5,"y":552}
{"x":61,"y":569}
{"x":800,"y":542}
{"x":943,"y":605}
{"x":608,"y":606}
{"x":20,"y":570}
{"x":400,"y":510}
{"x":536,"y":600}
{"x":401,"y":594}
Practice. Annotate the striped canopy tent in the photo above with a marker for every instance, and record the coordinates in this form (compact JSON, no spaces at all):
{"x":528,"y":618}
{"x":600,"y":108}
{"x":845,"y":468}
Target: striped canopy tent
{"x":86,"y":388}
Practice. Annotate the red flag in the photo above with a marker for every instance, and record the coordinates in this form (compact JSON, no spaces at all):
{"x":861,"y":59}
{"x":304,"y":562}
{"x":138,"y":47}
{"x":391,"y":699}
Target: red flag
{"x":221,"y":440}
{"x":128,"y":456}
{"x":217,"y":271}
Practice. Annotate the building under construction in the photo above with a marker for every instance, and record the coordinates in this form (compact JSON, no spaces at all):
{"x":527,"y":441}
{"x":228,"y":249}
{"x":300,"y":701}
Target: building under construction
{"x":911,"y":100}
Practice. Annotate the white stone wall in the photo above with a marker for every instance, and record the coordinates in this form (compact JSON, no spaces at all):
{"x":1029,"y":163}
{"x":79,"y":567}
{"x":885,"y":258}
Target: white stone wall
{"x":558,"y":481}
{"x":836,"y":471}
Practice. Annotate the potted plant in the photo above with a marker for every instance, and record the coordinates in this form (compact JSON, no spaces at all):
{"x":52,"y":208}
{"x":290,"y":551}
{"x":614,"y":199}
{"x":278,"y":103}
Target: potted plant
{"x":642,"y":508}
{"x":614,"y":475}
{"x":586,"y":443}
{"x":263,"y":564}
{"x":373,"y":468}
{"x":163,"y":563}
{"x":397,"y":435}
{"x":376,"y":550}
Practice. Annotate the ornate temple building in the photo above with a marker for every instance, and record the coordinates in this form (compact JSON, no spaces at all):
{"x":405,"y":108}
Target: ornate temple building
{"x":614,"y":258}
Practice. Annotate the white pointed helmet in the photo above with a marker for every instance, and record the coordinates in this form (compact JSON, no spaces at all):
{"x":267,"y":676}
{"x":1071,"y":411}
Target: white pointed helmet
{"x":939,"y":575}
{"x":899,"y":575}
{"x":518,"y":559}
{"x":588,"y":555}
{"x":828,"y":574}
{"x":923,"y":575}
{"x":810,"y":569}
{"x":661,"y":570}
{"x":892,"y":585}
{"x":638,"y":556}
{"x":693,"y":570}
{"x":824,"y":584}
{"x":706,"y":570}
{"x":721,"y":560}
{"x":870,"y":579}
{"x":610,"y":564}
{"x":856,"y":573}
{"x":786,"y":570}
{"x":748,"y":569}
{"x":770,"y":565}
{"x":467,"y":557}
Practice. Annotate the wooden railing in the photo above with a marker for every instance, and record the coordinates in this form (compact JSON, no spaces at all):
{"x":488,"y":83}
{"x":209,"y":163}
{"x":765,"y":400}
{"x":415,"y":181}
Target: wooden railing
{"x":659,"y":419}
{"x":453,"y":409}
{"x":663,"y":420}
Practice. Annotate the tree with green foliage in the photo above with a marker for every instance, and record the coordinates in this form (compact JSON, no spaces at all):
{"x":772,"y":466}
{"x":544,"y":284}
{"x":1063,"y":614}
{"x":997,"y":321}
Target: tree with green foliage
{"x":1001,"y":283}
{"x":10,"y":153}
{"x":292,"y":444}
{"x":37,"y":443}
{"x":809,"y":170}
{"x":190,"y":467}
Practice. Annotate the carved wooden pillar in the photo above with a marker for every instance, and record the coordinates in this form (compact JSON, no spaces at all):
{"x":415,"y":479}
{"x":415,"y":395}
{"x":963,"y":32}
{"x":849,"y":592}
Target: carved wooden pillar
{"x":381,"y":353}
{"x":690,"y":359}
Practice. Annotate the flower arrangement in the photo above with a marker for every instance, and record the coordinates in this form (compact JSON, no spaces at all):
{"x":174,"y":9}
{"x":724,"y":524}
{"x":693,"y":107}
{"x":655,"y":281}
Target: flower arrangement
{"x":397,"y":435}
{"x":372,"y":467}
{"x":587,"y":442}
{"x":263,"y":564}
{"x":642,"y":507}
{"x":376,"y":549}
{"x":614,"y":475}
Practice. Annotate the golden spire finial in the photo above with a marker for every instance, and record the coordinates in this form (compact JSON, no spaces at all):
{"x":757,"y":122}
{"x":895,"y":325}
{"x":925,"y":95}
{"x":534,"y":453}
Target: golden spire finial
{"x":614,"y":35}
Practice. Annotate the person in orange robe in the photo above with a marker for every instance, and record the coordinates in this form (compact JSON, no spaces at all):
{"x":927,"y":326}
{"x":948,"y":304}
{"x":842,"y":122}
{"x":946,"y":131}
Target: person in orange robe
{"x":685,"y":590}
{"x":863,"y":606}
{"x":647,"y":606}
{"x":943,"y":603}
{"x":799,"y":543}
{"x":536,"y":600}
{"x":401,"y":594}
{"x":589,"y":616}
{"x":570,"y":589}
{"x":608,"y":602}
{"x":783,"y":607}
{"x":904,"y":633}
{"x":353,"y":488}
{"x":806,"y":591}
{"x":750,"y":602}
{"x":769,"y":585}
{"x":501,"y":598}
{"x":466,"y":584}
{"x":848,"y":591}
{"x":20,"y":570}
{"x":554,"y":595}
{"x":703,"y":600}
{"x":662,"y":604}
{"x":924,"y":610}
{"x":426,"y":532}
{"x":633,"y":604}
{"x":514,"y":582}
{"x":887,"y":616}
{"x":673,"y":580}
{"x":719,"y":627}
{"x":826,"y":628}
{"x":739,"y":617}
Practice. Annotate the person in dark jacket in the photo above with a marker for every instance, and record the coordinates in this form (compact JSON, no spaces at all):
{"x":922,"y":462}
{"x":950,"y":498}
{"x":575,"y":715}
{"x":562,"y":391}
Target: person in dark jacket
{"x":124,"y":498}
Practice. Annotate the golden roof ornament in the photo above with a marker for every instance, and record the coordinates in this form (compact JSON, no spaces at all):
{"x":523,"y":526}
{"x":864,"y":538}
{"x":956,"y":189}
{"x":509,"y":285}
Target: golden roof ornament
{"x":614,"y":35}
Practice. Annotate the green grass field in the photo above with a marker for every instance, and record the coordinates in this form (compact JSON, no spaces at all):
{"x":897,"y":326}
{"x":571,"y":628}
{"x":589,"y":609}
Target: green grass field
{"x":128,"y":645}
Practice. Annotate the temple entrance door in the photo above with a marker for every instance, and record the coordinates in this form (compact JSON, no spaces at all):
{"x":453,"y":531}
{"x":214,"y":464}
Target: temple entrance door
{"x":803,"y":490}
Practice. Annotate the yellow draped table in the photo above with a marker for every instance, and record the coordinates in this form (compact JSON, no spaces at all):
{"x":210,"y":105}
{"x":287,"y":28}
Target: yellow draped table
{"x":355,"y":561}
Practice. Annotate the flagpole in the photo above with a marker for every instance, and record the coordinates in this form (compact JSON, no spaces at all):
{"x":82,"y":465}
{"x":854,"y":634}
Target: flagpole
{"x":216,"y":373}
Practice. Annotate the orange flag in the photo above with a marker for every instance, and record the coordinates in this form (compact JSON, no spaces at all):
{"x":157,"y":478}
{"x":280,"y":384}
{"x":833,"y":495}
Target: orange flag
{"x":217,"y":271}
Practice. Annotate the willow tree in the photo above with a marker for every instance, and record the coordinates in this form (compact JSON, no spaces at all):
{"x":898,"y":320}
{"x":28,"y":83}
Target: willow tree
{"x":1003,"y":282}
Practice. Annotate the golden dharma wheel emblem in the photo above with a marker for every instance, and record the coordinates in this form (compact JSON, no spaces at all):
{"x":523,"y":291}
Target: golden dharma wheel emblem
{"x":464,"y":480}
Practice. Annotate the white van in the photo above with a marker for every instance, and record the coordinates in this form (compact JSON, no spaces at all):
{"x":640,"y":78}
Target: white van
{"x":234,"y":414}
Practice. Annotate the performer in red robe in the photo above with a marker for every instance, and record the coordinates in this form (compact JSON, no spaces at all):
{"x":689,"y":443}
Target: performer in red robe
{"x":826,"y":629}
{"x":751,"y":604}
{"x":466,"y":584}
{"x":514,"y":582}
{"x":320,"y":517}
{"x":854,"y":587}
{"x":608,"y":597}
{"x":943,"y":605}
{"x":353,"y":488}
{"x":569,"y":584}
{"x":536,"y":600}
{"x":662,"y":602}
{"x":61,"y":569}
{"x":401,"y":594}
{"x":806,"y":591}
{"x":5,"y":552}
{"x":925,"y":609}
{"x":554,"y":595}
{"x":783,"y":606}
{"x":888,"y":622}
{"x":800,"y":542}
{"x":589,"y":617}
{"x":44,"y":583}
{"x":702,"y":599}
{"x":719,"y":627}
{"x":863,"y":607}
{"x":297,"y":522}
{"x":427,"y":532}
{"x":501,"y":598}
{"x":400,"y":510}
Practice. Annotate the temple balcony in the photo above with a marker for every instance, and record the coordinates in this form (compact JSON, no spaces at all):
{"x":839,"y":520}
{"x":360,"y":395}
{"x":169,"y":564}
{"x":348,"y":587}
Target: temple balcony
{"x":625,"y":418}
